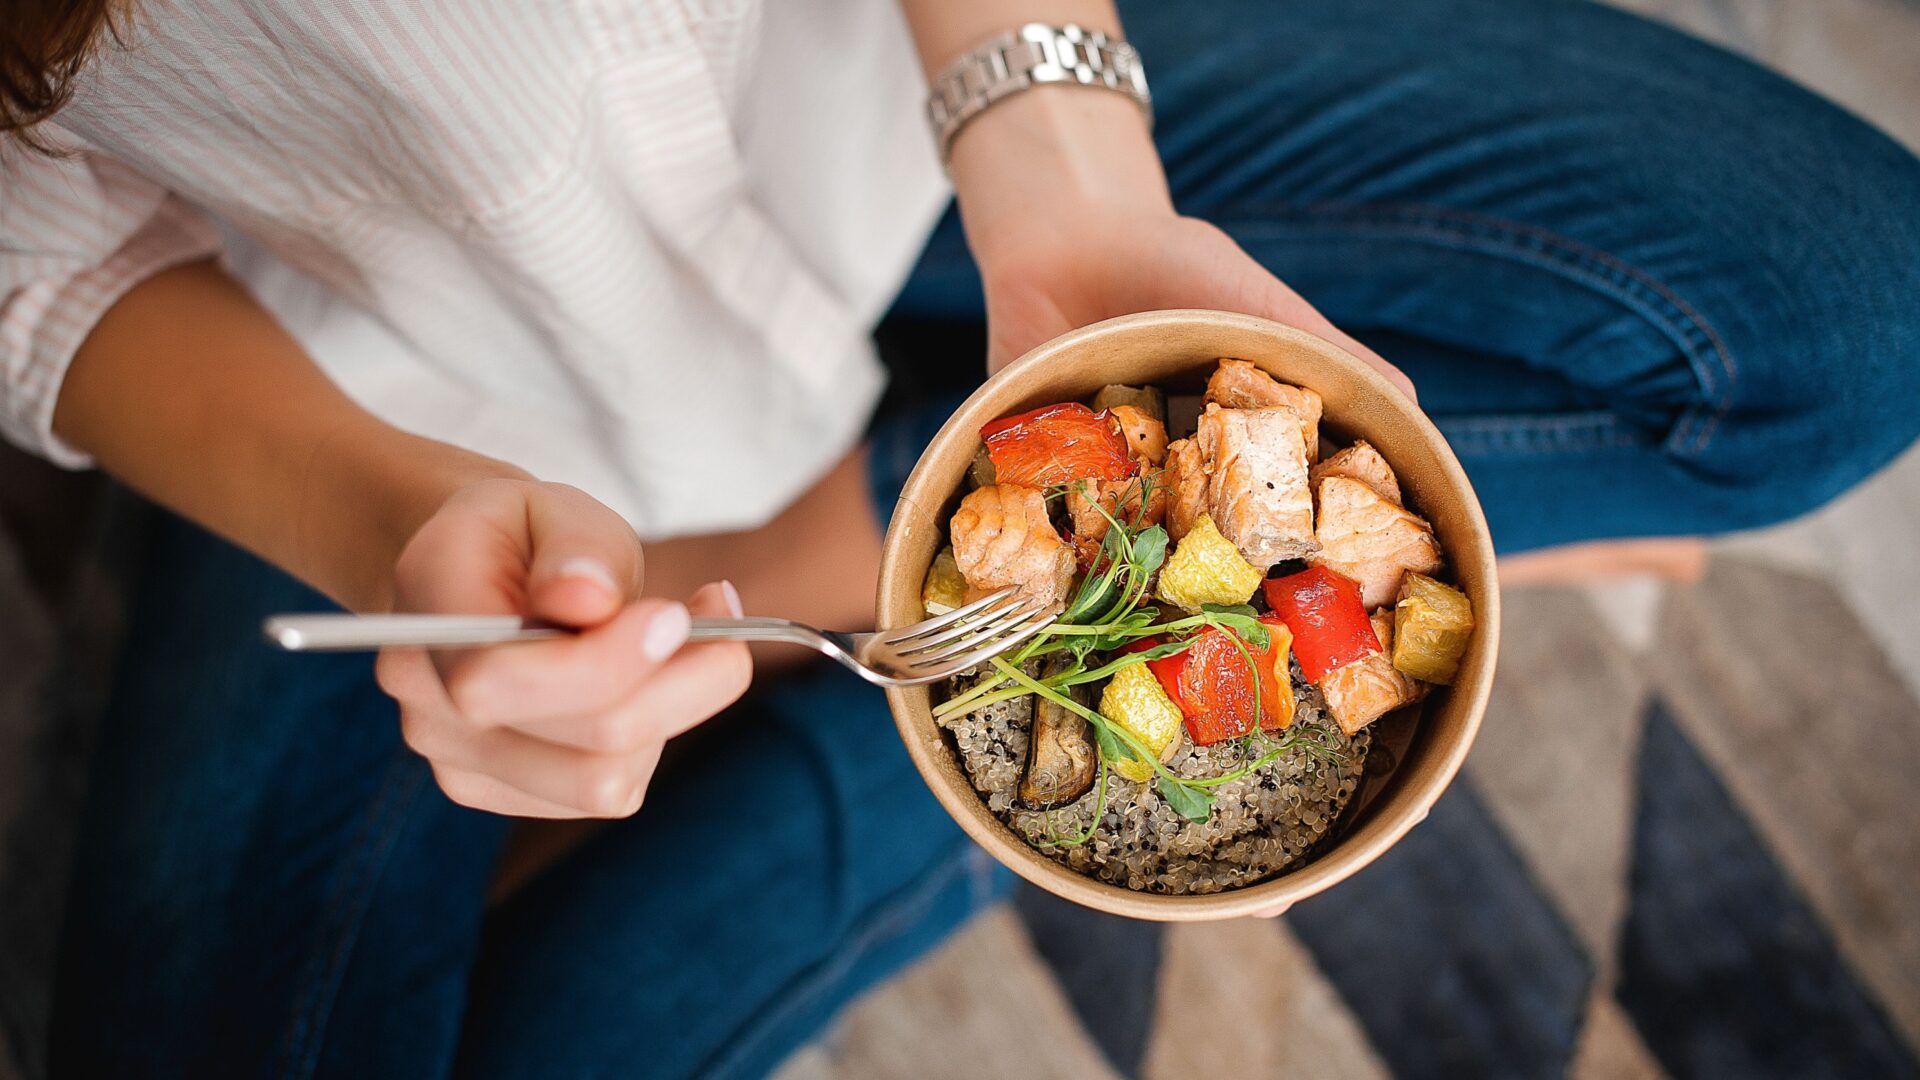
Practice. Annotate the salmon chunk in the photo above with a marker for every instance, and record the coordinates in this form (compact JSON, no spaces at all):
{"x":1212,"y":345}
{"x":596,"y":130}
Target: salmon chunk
{"x":1371,"y":540}
{"x":1257,"y":494}
{"x":1122,"y":500}
{"x":1240,"y":384}
{"x":1185,"y":481}
{"x":1363,"y":463}
{"x":1002,"y":536}
{"x":1371,"y":687}
{"x":1146,"y":436}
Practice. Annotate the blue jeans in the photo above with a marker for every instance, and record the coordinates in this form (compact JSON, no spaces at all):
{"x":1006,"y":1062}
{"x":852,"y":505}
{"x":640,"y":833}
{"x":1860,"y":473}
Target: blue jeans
{"x":1645,"y":286}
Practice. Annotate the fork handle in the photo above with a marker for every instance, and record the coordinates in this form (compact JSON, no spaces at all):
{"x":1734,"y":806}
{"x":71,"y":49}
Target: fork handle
{"x":358,"y":633}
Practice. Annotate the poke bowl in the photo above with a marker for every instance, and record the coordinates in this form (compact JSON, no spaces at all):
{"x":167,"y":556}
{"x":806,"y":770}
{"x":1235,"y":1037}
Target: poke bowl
{"x":1279,"y":614}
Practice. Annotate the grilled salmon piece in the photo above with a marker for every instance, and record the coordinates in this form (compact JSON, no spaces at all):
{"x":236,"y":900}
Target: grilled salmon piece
{"x":1371,"y":687}
{"x":1002,"y":536}
{"x":1185,"y":481}
{"x":1363,"y":463}
{"x":1146,"y":436}
{"x":1122,"y":500}
{"x":1371,"y":540}
{"x":1257,"y":494}
{"x":1239,"y":384}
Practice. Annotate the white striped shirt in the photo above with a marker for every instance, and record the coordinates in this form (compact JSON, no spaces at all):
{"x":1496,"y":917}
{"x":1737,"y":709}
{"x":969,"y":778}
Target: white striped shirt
{"x":634,"y":245}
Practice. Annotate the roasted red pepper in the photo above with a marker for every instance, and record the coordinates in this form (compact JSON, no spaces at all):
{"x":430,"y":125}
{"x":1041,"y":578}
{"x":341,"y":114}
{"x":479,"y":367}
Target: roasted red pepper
{"x":1210,"y":683}
{"x":1058,"y":444}
{"x":1329,"y":623}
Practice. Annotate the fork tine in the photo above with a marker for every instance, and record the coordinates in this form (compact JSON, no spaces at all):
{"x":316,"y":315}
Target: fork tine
{"x":927,"y":626}
{"x":1038,"y":622}
{"x":976,"y":633}
{"x":984,"y":624}
{"x":957,"y":648}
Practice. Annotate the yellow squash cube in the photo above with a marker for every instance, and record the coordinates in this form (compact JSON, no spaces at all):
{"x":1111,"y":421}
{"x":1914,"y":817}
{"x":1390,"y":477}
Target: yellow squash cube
{"x":1432,"y":624}
{"x":1205,"y":568}
{"x":944,"y":588}
{"x":1135,"y":700}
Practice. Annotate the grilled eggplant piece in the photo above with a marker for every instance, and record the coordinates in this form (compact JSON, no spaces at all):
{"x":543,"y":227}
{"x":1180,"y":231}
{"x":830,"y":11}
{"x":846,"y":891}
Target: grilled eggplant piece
{"x":1060,"y":755}
{"x":981,"y":472}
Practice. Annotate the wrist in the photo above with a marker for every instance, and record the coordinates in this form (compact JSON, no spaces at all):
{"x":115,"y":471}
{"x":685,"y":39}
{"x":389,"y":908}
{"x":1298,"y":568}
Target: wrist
{"x":1053,"y":153}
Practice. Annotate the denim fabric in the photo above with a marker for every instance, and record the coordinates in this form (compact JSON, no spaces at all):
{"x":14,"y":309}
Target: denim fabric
{"x":269,"y":883}
{"x":1644,"y":286}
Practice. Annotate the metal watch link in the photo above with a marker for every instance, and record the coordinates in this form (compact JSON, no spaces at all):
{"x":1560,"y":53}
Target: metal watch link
{"x":1034,"y":55}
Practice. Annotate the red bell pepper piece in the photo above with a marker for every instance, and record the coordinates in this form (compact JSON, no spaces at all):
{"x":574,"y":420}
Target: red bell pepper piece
{"x":1058,"y":444}
{"x":1216,"y":690}
{"x":1211,"y":685}
{"x":1329,"y":623}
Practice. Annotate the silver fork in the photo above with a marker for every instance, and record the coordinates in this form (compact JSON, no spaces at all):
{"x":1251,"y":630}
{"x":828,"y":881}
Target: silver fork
{"x":921,"y":652}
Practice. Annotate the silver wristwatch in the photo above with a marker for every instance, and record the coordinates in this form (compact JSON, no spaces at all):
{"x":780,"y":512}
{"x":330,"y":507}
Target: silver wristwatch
{"x":1033,"y":55}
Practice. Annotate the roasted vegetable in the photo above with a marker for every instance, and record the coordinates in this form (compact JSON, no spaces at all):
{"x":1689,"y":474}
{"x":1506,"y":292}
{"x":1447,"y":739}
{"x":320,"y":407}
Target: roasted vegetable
{"x":1213,"y":689}
{"x":1147,"y":399}
{"x":1216,"y":691}
{"x":1135,"y":700}
{"x":1431,"y":625}
{"x":944,"y":588}
{"x":980,"y":473}
{"x":1205,"y":568}
{"x":1060,"y":756}
{"x":1367,"y":689}
{"x":1058,"y":444}
{"x":1329,"y":624}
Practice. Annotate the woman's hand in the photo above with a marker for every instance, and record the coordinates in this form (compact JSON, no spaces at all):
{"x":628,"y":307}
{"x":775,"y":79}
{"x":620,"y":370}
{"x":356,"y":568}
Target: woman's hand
{"x":1108,"y":268}
{"x":564,"y":728}
{"x":1067,"y":211}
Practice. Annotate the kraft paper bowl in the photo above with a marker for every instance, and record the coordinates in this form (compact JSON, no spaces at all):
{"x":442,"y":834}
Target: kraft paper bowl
{"x":1415,"y":753}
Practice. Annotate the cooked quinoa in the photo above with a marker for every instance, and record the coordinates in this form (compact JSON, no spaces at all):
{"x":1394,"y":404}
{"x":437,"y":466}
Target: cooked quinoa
{"x":1262,"y":823}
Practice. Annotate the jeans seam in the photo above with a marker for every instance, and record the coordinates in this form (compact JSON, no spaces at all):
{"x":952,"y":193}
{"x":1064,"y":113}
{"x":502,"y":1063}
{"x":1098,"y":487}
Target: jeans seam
{"x":1629,"y":285}
{"x":1534,"y":433}
{"x":882,"y":921}
{"x":344,"y":913}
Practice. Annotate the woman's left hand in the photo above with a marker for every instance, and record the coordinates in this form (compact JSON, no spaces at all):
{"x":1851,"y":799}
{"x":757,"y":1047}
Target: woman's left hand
{"x":1067,"y":211}
{"x":1097,"y":270}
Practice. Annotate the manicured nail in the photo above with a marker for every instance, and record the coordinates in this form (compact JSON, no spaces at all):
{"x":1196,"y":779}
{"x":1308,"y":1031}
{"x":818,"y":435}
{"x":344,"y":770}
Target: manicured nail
{"x":732,"y":596}
{"x":667,"y":632}
{"x":590,"y":569}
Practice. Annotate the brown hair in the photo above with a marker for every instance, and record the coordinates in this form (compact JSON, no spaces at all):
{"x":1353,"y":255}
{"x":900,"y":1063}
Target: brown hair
{"x":43,"y":43}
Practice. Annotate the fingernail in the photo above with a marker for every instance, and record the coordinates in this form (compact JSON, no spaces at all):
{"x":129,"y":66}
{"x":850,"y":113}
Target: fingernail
{"x":590,"y":569}
{"x":732,"y":596}
{"x":667,"y":632}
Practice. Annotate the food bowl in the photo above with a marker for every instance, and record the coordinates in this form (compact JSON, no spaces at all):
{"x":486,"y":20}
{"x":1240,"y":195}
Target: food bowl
{"x":1415,"y":753}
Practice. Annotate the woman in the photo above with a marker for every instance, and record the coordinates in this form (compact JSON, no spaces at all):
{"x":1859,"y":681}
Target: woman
{"x":466,"y":255}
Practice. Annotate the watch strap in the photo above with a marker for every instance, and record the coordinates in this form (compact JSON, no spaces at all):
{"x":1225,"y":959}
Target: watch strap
{"x":1034,"y":55}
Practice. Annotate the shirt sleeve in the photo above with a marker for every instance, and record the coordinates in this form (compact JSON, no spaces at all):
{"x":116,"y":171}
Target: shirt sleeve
{"x":76,"y":232}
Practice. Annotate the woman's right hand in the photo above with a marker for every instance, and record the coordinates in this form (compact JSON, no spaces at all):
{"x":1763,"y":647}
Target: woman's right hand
{"x":564,"y":728}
